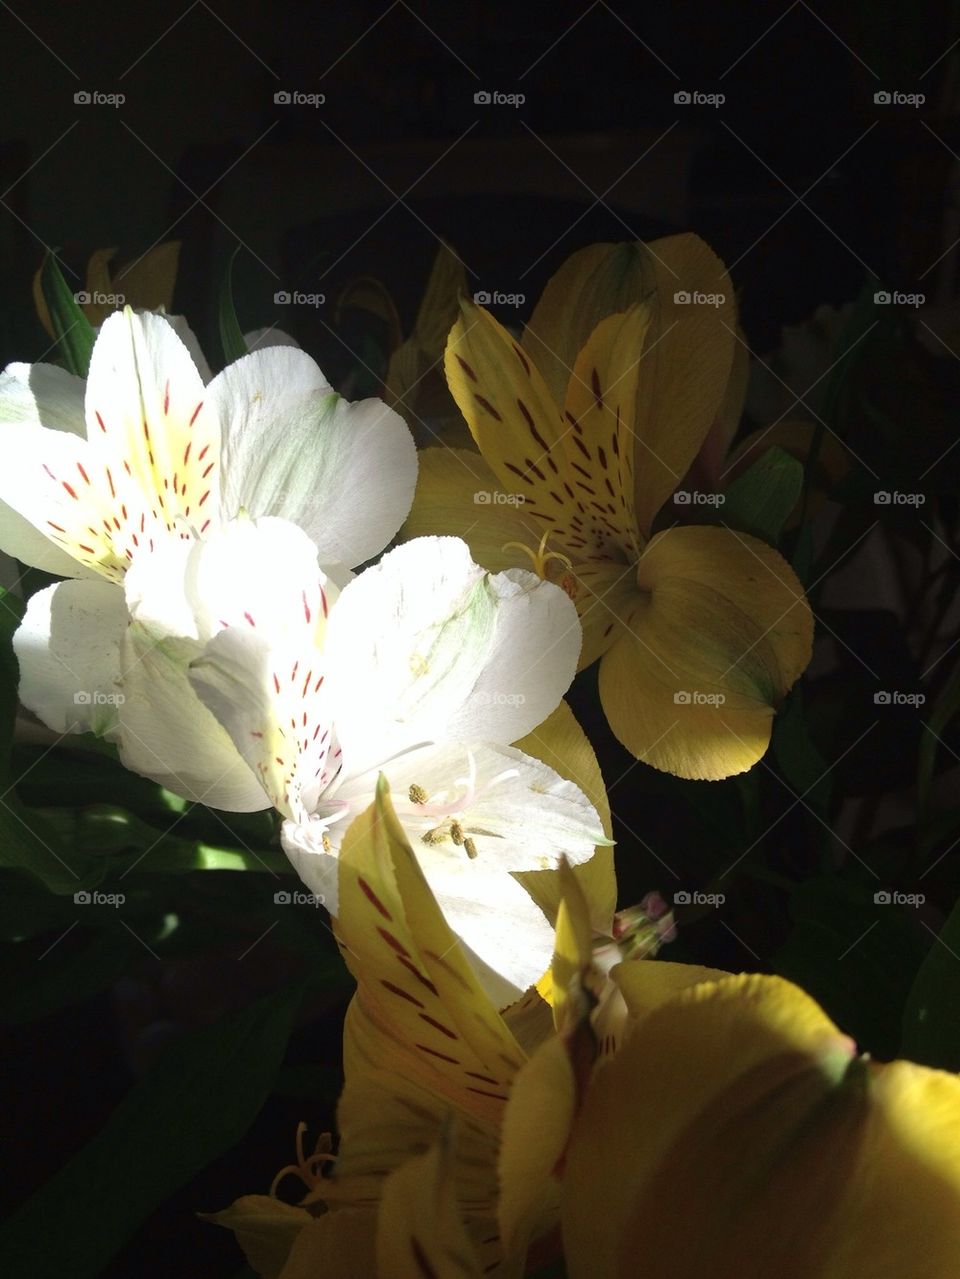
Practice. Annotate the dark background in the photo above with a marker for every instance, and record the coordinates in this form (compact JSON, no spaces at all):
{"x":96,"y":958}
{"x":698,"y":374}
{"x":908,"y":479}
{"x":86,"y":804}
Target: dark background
{"x":799,"y":180}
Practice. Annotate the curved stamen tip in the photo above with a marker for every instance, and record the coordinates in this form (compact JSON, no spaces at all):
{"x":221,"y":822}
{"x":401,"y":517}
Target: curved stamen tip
{"x":541,"y":557}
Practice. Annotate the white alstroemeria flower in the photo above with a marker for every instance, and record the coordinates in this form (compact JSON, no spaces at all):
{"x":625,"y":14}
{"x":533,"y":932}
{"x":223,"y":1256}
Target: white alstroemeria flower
{"x":95,"y":475}
{"x":425,"y":668}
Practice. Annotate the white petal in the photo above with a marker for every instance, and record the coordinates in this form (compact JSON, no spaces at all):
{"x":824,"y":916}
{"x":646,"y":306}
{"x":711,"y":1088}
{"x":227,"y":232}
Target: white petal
{"x":42,"y":395}
{"x":502,"y":926}
{"x":404,"y":646}
{"x":68,"y":648}
{"x":261,"y":575}
{"x":272,"y":704}
{"x":49,"y":516}
{"x":189,"y":339}
{"x":145,"y":420}
{"x":531,"y":663}
{"x":518,"y":814}
{"x":292,"y":447}
{"x":167,"y":734}
{"x":425,"y":646}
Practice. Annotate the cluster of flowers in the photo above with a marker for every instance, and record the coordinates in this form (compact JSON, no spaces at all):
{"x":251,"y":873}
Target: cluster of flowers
{"x":514,"y":1086}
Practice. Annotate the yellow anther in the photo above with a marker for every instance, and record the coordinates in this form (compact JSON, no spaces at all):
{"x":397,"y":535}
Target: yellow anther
{"x":417,"y":794}
{"x":470,"y":848}
{"x":456,"y":833}
{"x":435,"y":836}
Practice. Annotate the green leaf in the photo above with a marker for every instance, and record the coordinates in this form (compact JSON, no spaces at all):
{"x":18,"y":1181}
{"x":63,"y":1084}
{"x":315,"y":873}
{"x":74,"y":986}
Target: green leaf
{"x":760,"y":501}
{"x":944,"y":709}
{"x":195,"y":1104}
{"x":74,"y":332}
{"x":855,"y":955}
{"x":35,"y":985}
{"x":231,"y":336}
{"x":797,"y":756}
{"x":931,"y":1028}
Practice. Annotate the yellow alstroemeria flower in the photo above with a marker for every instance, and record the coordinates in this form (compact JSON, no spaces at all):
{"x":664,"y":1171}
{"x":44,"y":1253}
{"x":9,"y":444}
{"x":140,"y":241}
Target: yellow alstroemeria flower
{"x":722,"y":1124}
{"x":427,"y":1059}
{"x":585,"y":428}
{"x":146,"y":284}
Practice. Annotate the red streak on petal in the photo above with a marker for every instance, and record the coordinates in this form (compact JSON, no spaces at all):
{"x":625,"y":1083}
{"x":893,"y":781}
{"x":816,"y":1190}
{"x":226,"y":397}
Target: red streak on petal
{"x":99,"y":421}
{"x":83,"y":473}
{"x":276,"y":683}
{"x":166,"y":398}
{"x":204,"y":498}
{"x":194,"y":418}
{"x":249,"y":619}
{"x":208,"y":470}
{"x":306,"y":607}
{"x":69,"y":490}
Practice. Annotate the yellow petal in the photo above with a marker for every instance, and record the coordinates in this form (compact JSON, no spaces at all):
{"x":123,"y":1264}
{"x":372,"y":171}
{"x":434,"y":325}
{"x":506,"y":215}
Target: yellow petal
{"x":459,"y":495}
{"x":601,"y":444}
{"x":420,"y":1231}
{"x":686,"y":367}
{"x":338,"y":1243}
{"x":511,"y":415}
{"x":536,"y":1128}
{"x":416,"y":988}
{"x":266,"y":1230}
{"x":572,"y":954}
{"x":737,"y":1130}
{"x":593,"y":283}
{"x":720,"y":635}
{"x":414,"y":382}
{"x":646,"y":984}
{"x":147,"y":283}
{"x":669,"y":1114}
{"x":560,"y":742}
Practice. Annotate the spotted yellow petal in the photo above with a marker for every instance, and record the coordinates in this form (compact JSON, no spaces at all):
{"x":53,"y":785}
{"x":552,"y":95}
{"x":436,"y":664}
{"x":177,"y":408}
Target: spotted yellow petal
{"x":722,"y":632}
{"x":560,"y":742}
{"x":593,"y":283}
{"x":416,"y":989}
{"x":420,"y":1231}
